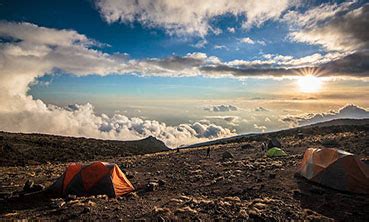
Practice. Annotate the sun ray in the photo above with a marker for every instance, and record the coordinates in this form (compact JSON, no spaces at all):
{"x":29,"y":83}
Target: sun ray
{"x":309,"y":80}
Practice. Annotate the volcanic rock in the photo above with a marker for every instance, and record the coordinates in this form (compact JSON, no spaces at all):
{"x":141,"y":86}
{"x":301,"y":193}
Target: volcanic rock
{"x":227,"y":155}
{"x":274,"y":142}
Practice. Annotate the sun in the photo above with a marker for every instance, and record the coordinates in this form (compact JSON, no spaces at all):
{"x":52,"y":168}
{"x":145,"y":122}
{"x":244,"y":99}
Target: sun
{"x":309,"y":84}
{"x":309,"y":80}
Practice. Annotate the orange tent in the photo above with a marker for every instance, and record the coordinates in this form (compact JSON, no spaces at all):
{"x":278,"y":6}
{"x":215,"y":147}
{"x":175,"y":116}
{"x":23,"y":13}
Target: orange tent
{"x":336,"y":169}
{"x":92,"y":179}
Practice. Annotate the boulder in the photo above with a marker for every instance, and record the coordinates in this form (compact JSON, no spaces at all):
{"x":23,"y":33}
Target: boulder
{"x":38,"y":187}
{"x":274,"y":142}
{"x":28,"y":186}
{"x":227,"y":155}
{"x":246,"y":146}
{"x":152,"y":186}
{"x":300,"y":135}
{"x":243,"y":214}
{"x":161,"y":182}
{"x":132,"y":196}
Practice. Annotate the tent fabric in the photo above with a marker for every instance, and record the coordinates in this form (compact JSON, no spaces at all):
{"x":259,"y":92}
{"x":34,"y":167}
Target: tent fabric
{"x":92,"y":179}
{"x":275,"y":152}
{"x":336,"y":169}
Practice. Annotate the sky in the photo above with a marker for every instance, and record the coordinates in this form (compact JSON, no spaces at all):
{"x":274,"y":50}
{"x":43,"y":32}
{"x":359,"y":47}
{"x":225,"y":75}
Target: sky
{"x":183,"y":71}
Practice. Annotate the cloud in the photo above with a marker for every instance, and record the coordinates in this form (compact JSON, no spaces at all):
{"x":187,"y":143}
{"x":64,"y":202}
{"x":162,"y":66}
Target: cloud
{"x":81,"y":120}
{"x":232,"y":120}
{"x":221,"y":108}
{"x":200,"y":44}
{"x":348,"y":111}
{"x":260,"y":128}
{"x":312,"y":17}
{"x":119,"y":126}
{"x":31,"y":51}
{"x":355,"y":65}
{"x":247,"y":40}
{"x":338,"y":29}
{"x":341,"y":29}
{"x":261,"y":109}
{"x":231,"y":29}
{"x":261,"y":42}
{"x":189,"y":17}
{"x":334,"y":27}
{"x":220,"y":47}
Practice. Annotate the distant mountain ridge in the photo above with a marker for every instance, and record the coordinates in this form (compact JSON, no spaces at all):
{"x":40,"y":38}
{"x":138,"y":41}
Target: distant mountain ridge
{"x":340,"y":122}
{"x":330,"y":123}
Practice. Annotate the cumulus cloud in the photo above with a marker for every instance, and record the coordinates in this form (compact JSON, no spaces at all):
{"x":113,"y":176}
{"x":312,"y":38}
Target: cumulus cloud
{"x":231,"y":29}
{"x":31,"y":51}
{"x":119,"y":126}
{"x":231,"y":120}
{"x":81,"y":120}
{"x":260,"y":128}
{"x":221,"y":108}
{"x":190,"y":17}
{"x":247,"y":40}
{"x":348,"y":111}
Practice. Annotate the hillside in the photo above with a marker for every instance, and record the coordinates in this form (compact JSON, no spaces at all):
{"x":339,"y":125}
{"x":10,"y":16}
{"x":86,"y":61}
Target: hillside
{"x":24,"y":149}
{"x":187,"y":185}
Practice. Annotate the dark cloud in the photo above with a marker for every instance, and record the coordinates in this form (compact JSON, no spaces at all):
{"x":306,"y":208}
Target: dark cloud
{"x":354,"y":25}
{"x":262,"y":70}
{"x":346,"y":32}
{"x":261,"y":109}
{"x":177,"y":62}
{"x":221,"y":108}
{"x":356,"y":64}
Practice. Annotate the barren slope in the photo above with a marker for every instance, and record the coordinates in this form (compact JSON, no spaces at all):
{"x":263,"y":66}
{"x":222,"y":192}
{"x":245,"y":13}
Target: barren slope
{"x":188,"y":185}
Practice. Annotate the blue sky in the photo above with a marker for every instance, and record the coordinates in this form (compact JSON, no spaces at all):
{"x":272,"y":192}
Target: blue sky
{"x":167,"y":62}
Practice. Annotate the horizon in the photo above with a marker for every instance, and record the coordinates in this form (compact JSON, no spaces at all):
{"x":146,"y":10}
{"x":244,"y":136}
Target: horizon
{"x":181,"y":71}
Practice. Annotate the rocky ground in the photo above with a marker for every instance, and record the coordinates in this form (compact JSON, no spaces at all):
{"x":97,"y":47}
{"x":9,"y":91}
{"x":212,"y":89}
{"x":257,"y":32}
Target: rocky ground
{"x":187,"y":185}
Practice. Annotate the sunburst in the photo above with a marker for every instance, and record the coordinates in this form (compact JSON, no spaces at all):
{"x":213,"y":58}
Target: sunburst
{"x":309,"y":80}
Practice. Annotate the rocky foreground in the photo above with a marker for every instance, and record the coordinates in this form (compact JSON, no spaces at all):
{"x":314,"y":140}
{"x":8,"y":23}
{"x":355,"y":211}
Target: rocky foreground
{"x":241,"y":184}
